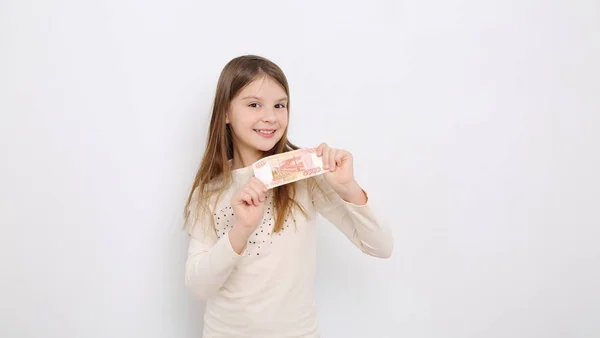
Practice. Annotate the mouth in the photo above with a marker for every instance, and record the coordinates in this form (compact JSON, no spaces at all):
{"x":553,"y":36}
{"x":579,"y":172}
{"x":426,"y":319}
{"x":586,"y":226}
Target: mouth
{"x":265,"y":132}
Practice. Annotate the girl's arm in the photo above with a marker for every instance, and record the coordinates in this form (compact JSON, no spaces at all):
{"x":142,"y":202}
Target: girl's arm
{"x":211,"y":260}
{"x":354,"y":217}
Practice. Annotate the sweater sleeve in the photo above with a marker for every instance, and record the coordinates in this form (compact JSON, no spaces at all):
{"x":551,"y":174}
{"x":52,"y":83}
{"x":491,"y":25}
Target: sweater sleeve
{"x":210,"y":261}
{"x":357,"y":222}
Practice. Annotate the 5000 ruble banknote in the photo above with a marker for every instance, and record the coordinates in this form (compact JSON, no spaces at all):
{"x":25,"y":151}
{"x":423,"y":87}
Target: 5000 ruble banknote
{"x":284,"y":168}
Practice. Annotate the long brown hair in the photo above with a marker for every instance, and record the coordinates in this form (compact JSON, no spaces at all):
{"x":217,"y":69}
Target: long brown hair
{"x":214,"y":175}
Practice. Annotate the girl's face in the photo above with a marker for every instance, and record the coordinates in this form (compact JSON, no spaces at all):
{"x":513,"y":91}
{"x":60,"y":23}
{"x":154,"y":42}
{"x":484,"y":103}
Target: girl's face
{"x":258,"y":117}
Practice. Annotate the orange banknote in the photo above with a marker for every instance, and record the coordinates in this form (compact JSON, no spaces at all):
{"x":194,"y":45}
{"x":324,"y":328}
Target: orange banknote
{"x":292,"y":166}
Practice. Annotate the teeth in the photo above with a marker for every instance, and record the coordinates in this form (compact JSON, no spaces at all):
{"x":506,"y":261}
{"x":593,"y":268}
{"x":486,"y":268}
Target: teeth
{"x":265,"y":131}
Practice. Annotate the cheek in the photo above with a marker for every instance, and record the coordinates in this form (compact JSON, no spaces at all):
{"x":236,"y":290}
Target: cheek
{"x":240,"y":119}
{"x":283,"y":119}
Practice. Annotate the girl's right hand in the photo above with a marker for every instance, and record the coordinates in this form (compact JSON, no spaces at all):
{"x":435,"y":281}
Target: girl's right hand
{"x":248,"y":205}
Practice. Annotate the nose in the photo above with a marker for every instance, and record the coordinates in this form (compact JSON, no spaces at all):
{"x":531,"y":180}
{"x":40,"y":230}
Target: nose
{"x":269,"y":115}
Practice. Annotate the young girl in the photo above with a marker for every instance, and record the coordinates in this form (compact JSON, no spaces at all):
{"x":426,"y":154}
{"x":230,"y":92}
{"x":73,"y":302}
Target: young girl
{"x":252,"y":250}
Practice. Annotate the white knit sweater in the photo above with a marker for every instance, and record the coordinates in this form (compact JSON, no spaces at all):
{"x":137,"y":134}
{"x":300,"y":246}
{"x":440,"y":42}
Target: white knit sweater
{"x":268,"y":290}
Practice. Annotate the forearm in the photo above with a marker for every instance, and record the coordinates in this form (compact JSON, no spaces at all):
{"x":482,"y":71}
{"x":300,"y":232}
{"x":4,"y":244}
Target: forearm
{"x":238,"y":237}
{"x":352,"y":193}
{"x":208,"y":269}
{"x":347,"y":208}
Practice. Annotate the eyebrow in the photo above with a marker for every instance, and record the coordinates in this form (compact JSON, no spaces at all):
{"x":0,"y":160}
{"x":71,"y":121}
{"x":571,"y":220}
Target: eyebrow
{"x":259,"y":99}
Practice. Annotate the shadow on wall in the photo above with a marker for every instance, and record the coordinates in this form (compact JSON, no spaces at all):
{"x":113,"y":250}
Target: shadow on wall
{"x":195,"y":317}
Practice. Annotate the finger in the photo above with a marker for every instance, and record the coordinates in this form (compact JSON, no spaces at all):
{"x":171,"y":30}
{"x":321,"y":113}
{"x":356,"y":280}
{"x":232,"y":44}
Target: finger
{"x":331,"y":158}
{"x":245,"y":198}
{"x":339,"y":157}
{"x":253,"y":194}
{"x":259,"y":187}
{"x":325,"y":158}
{"x":259,"y":197}
{"x":320,"y":149}
{"x":260,"y":191}
{"x":258,"y":184}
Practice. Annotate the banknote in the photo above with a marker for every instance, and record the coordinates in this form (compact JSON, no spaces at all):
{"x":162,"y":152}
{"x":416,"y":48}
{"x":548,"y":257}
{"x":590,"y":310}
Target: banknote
{"x":284,"y":168}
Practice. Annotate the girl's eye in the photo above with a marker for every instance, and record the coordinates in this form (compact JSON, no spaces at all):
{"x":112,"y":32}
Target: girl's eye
{"x":253,"y":105}
{"x":279,"y":105}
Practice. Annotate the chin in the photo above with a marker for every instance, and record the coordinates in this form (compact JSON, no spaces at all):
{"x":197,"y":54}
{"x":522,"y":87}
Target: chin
{"x":267,"y":145}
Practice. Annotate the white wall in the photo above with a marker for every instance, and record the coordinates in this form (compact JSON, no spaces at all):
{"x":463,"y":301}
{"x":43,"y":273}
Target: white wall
{"x":474,"y":125}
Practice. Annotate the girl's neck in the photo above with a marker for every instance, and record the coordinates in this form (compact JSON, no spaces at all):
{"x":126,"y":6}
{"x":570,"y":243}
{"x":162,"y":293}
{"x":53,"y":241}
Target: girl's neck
{"x":243,"y":159}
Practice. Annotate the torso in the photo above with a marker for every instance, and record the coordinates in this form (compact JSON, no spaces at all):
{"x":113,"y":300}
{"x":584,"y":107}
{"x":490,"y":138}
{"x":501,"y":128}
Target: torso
{"x":270,"y":292}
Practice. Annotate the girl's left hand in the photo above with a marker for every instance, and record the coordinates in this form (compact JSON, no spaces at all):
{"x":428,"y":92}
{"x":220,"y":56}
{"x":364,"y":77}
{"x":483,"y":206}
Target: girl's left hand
{"x":339,"y":164}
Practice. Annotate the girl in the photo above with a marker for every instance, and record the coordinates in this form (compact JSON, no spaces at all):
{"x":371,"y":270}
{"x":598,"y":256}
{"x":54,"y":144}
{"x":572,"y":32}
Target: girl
{"x":252,"y":251}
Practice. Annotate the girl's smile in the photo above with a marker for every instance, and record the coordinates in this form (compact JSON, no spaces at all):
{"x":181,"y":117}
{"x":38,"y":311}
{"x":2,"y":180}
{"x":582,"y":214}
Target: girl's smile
{"x":266,"y":133}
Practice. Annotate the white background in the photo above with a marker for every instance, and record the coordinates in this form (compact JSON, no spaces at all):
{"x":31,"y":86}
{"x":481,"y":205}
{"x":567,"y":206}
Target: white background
{"x":473,"y":123}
